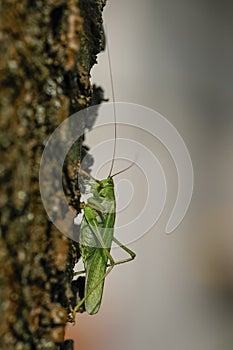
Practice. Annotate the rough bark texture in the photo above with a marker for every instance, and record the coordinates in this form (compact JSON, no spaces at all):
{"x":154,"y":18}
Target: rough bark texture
{"x":47,"y":51}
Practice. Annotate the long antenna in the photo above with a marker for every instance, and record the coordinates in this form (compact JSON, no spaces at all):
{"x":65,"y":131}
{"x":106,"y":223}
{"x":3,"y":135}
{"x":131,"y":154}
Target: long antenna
{"x":122,"y":171}
{"x":114,"y":110}
{"x":81,"y":171}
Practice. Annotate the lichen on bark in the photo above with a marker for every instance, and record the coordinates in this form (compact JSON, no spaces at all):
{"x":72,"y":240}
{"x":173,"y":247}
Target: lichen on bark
{"x":47,"y":51}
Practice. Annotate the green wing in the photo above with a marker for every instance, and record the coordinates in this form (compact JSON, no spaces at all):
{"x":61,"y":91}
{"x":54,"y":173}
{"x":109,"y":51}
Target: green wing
{"x":95,"y":270}
{"x":93,"y":236}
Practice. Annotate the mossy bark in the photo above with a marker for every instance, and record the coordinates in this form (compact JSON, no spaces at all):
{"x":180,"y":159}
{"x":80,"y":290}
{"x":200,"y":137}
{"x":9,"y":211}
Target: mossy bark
{"x":47,"y":51}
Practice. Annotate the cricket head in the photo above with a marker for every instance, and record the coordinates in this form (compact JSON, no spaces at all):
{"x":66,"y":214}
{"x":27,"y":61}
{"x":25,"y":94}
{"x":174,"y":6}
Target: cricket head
{"x":105,"y":188}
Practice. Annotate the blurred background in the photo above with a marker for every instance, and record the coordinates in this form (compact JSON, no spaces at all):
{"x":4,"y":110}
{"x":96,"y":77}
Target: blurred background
{"x":176,"y":58}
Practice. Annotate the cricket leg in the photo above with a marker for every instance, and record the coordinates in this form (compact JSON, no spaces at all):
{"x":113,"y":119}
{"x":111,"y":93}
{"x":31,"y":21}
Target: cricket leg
{"x":79,"y":273}
{"x":91,"y":291}
{"x":127,"y":250}
{"x":111,"y":266}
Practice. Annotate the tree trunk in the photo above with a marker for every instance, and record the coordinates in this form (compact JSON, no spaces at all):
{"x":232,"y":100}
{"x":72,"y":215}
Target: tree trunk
{"x":47,"y":51}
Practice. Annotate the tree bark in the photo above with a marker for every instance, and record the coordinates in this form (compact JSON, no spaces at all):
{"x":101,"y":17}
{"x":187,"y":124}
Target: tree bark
{"x":47,"y":51}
